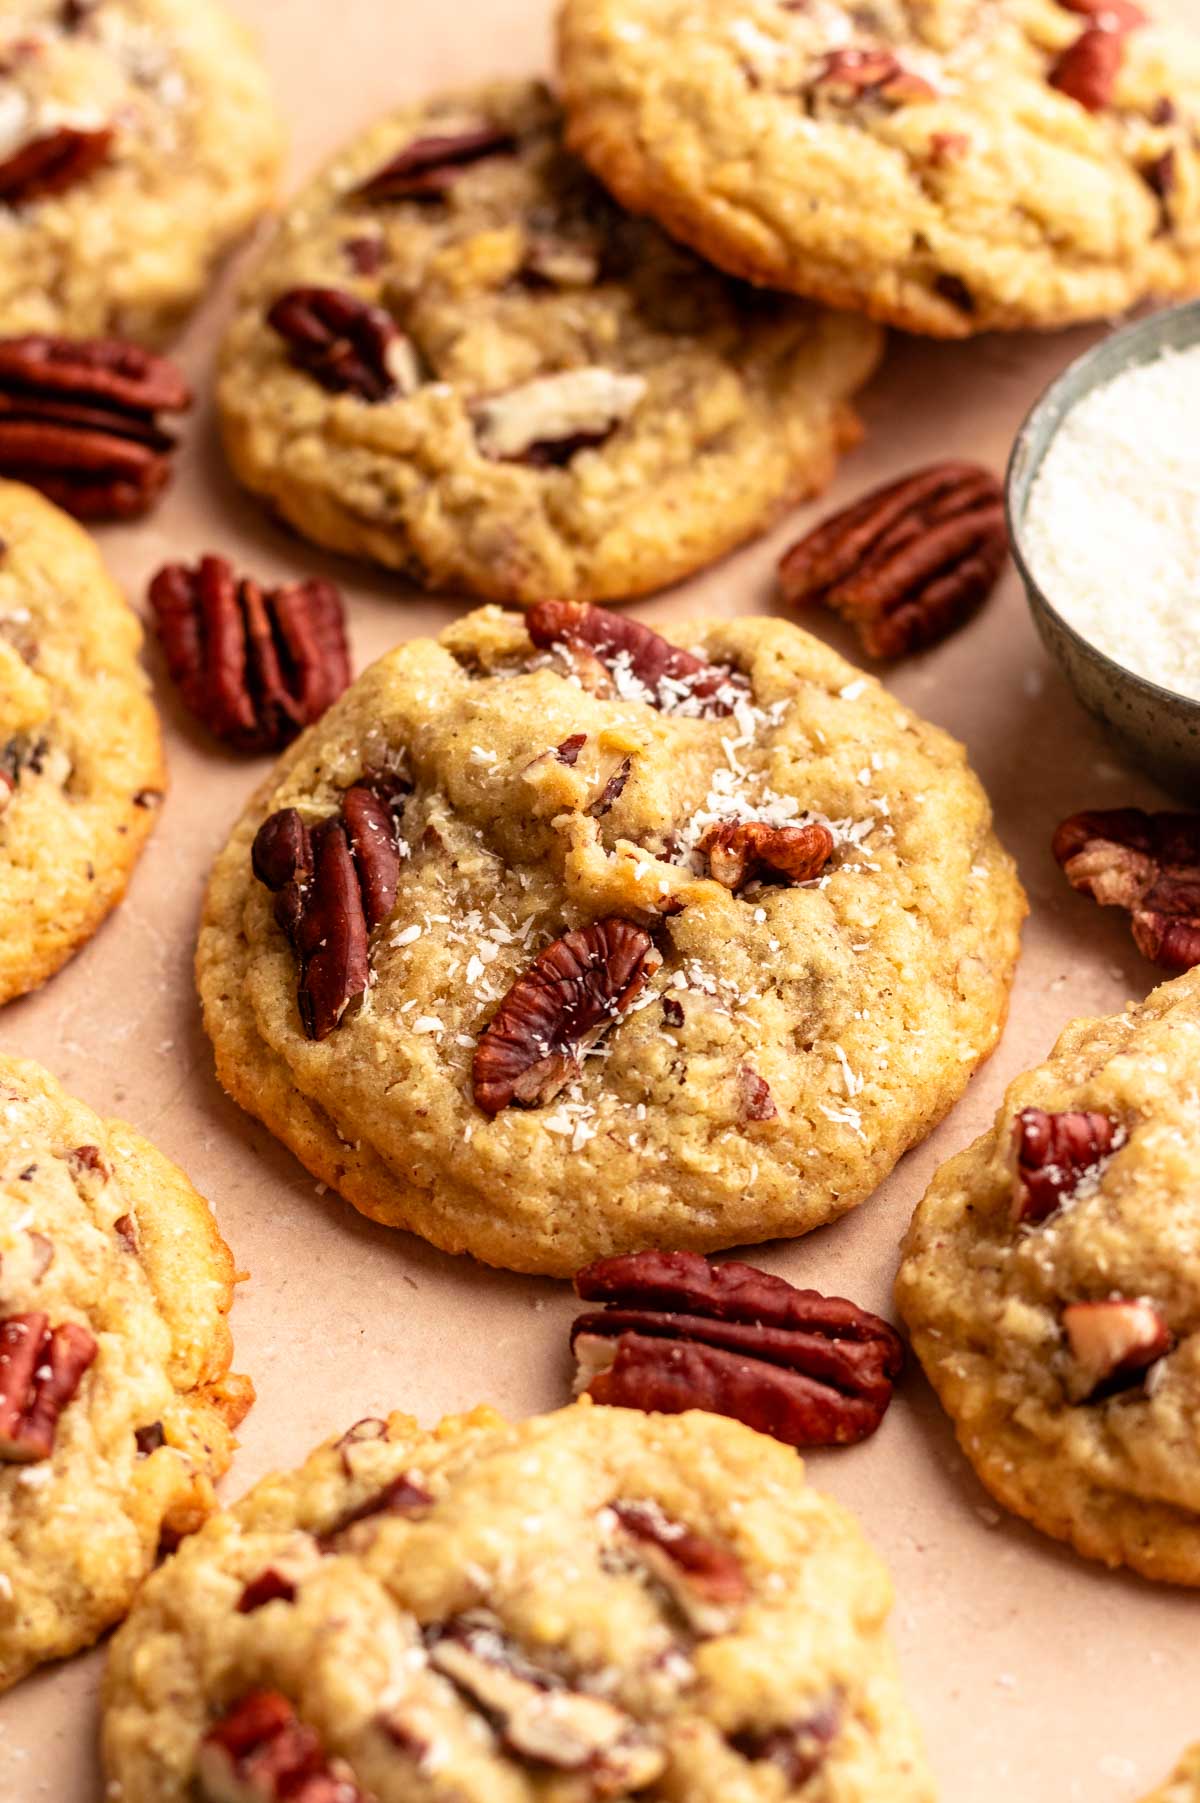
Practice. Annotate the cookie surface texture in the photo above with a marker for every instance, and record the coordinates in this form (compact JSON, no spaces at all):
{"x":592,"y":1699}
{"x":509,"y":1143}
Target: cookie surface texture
{"x":109,"y":1257}
{"x":777,"y":1046}
{"x":1183,"y":1786}
{"x":81,"y":765}
{"x":1058,"y":1324}
{"x":138,"y":140}
{"x":500,"y":1620}
{"x":530,"y":394}
{"x":944,"y":166}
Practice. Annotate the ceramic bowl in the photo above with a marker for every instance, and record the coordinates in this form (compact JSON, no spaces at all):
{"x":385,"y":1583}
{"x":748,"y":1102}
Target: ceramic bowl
{"x":1160,"y":729}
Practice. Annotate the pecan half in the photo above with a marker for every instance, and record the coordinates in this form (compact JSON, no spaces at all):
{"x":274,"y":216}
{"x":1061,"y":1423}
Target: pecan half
{"x":348,"y":344}
{"x":537,"y":1716}
{"x":850,"y":75}
{"x":429,"y":167}
{"x":639,"y":659}
{"x":680,"y":1333}
{"x":909,"y":562}
{"x":79,"y":419}
{"x":40,"y":1371}
{"x":748,"y":851}
{"x":334,"y":883}
{"x":53,"y":162}
{"x":1148,"y":864}
{"x":260,"y":1752}
{"x":1113,"y":1344}
{"x":706,"y":1582}
{"x":550,"y":420}
{"x":1054,"y":1153}
{"x":255,"y":665}
{"x":572,"y":992}
{"x":799,"y":1749}
{"x":1087,"y":70}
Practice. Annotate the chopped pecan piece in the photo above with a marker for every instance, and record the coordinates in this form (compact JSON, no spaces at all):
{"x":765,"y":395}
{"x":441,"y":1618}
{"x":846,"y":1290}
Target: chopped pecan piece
{"x":564,"y":1002}
{"x":909,"y":562}
{"x":852,"y":74}
{"x":1087,"y":70}
{"x":260,"y":1752}
{"x":799,"y":1750}
{"x":1114,"y":1343}
{"x":749,"y":851}
{"x":40,"y":1371}
{"x":428,"y":168}
{"x":754,"y":1095}
{"x":680,"y":1333}
{"x":1054,"y":1153}
{"x":1148,"y":864}
{"x":538,"y":1717}
{"x":404,"y":1495}
{"x":270,"y":1586}
{"x":663,"y":674}
{"x":705,"y":1581}
{"x":255,"y":665}
{"x":334,"y":883}
{"x":79,"y":419}
{"x":53,"y":162}
{"x":348,"y":344}
{"x":550,"y":420}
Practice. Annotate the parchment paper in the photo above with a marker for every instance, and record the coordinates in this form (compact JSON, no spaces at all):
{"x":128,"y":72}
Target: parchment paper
{"x":1037,"y":1676}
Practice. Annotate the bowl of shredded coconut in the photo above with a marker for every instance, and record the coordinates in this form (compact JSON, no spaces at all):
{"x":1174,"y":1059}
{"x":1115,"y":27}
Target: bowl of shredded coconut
{"x":1104,"y":516}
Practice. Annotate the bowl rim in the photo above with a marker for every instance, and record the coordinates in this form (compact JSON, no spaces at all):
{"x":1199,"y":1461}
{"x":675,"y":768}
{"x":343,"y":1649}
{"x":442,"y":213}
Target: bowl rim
{"x":1068,"y":388}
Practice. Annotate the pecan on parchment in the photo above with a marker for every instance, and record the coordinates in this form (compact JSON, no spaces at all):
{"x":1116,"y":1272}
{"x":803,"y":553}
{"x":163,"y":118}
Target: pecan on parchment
{"x":80,"y":420}
{"x":537,"y":1715}
{"x":849,"y":75}
{"x":678,"y":1332}
{"x":1113,"y":1344}
{"x":428,"y":168}
{"x":333,"y":883}
{"x":1054,"y":1153}
{"x":259,"y":1751}
{"x":572,"y":992}
{"x":1087,"y":70}
{"x":705,"y":1581}
{"x":909,"y":562}
{"x":253,"y":664}
{"x":1148,"y":864}
{"x":750,"y":851}
{"x":52,"y":162}
{"x":40,"y":1371}
{"x":348,"y":344}
{"x":632,"y":659}
{"x":799,"y":1749}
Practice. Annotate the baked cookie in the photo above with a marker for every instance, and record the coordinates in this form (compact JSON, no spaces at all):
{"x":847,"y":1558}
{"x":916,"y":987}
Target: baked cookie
{"x":138,"y":140}
{"x":459,"y":359}
{"x":555,"y":939}
{"x":1183,"y":1786}
{"x":81,"y":765}
{"x":591,"y":1604}
{"x":1051,"y":1286}
{"x":946,"y":166}
{"x":117,"y":1405}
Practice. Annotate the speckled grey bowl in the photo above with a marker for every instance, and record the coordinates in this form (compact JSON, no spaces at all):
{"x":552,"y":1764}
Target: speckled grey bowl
{"x":1159,"y":728}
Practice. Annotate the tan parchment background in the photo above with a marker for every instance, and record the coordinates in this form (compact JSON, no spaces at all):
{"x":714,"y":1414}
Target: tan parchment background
{"x":1039,"y":1678}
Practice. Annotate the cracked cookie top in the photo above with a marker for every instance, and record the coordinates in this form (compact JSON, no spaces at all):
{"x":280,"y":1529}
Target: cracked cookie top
{"x":949,"y":166}
{"x":555,"y":938}
{"x":116,"y":1402}
{"x":81,"y":767}
{"x":459,"y":359}
{"x":592,"y":1604}
{"x":137,"y":141}
{"x":1051,"y":1286}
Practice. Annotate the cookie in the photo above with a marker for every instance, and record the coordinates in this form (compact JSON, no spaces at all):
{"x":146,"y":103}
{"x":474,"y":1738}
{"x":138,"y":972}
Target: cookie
{"x":81,"y":764}
{"x":591,"y":1604}
{"x":458,"y":359}
{"x":946,"y":167}
{"x":1051,"y":1287}
{"x":555,"y":939}
{"x":1183,"y":1786}
{"x":138,"y":141}
{"x":117,"y":1405}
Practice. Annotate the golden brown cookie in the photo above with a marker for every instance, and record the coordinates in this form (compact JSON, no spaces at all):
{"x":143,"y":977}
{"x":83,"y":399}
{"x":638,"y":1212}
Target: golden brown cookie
{"x":1183,"y":1786}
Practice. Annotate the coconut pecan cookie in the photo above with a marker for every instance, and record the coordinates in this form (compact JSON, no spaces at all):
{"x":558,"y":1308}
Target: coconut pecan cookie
{"x":946,"y":166}
{"x":81,"y":768}
{"x":1051,"y":1286}
{"x":459,"y":359}
{"x":555,"y":939}
{"x":137,"y":141}
{"x":1183,"y":1786}
{"x":592,"y":1604}
{"x":117,"y":1406}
